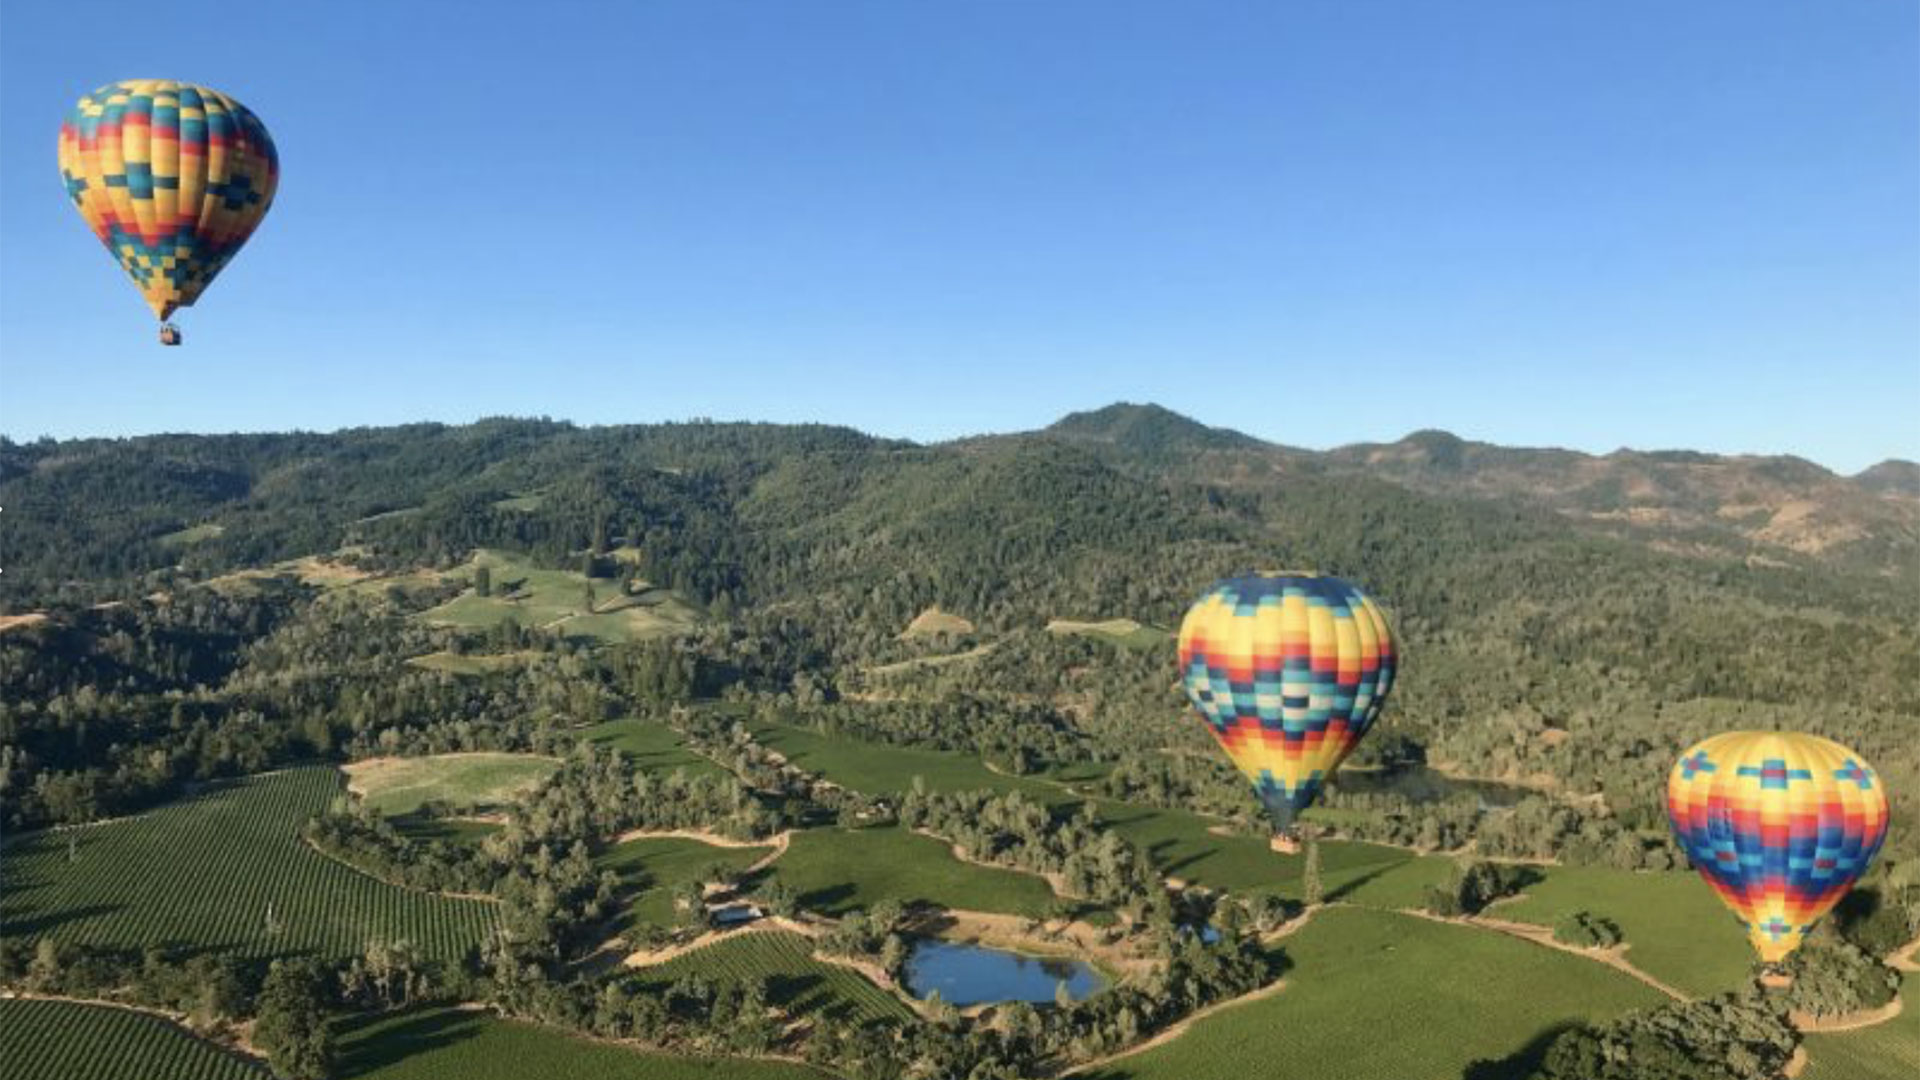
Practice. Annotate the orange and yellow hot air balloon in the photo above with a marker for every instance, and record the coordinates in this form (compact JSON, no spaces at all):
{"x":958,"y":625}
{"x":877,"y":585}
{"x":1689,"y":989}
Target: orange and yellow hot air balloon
{"x":1781,"y":824}
{"x":1288,"y":671}
{"x":173,"y":178}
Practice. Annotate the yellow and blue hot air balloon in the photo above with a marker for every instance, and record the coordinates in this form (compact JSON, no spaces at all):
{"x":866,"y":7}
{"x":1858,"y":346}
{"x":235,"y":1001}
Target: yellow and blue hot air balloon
{"x":173,"y":178}
{"x":1781,"y":824}
{"x":1289,"y":671}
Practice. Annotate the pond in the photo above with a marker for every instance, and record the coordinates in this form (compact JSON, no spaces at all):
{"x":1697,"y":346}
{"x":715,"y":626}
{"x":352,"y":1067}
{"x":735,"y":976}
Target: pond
{"x":975,"y":974}
{"x":1422,"y":784}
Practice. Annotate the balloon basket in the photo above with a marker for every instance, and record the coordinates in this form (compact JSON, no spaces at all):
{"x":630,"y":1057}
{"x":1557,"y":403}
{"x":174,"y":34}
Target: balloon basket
{"x":170,"y":334}
{"x":1776,"y":980}
{"x":1285,"y":845}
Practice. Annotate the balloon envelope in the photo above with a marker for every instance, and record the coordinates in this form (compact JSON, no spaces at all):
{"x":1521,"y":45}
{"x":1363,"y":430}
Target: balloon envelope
{"x":172,"y":178}
{"x":1288,"y":671}
{"x":1780,"y":824}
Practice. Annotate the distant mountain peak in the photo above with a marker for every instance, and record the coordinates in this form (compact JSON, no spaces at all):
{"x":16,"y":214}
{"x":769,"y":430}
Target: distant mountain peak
{"x":1148,"y":429}
{"x":1894,"y":476}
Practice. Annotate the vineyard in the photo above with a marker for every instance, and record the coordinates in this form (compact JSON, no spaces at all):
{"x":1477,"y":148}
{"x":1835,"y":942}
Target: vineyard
{"x":223,"y":870}
{"x":466,"y":1044}
{"x":60,"y":1040}
{"x":796,"y":982}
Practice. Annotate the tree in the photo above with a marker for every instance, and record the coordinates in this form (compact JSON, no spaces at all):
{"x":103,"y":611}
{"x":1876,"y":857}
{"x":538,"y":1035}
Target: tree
{"x":483,"y":580}
{"x":292,"y":1022}
{"x":1310,"y":884}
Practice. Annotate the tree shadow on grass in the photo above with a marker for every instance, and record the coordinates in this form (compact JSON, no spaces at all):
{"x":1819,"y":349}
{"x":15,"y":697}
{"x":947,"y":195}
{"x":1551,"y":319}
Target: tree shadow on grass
{"x":364,"y":1051}
{"x":1520,"y":1064}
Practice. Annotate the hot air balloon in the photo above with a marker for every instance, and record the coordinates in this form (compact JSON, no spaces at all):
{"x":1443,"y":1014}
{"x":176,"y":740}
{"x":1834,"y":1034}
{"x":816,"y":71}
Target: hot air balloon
{"x":1288,"y":671}
{"x":1780,"y":824}
{"x":173,"y":178}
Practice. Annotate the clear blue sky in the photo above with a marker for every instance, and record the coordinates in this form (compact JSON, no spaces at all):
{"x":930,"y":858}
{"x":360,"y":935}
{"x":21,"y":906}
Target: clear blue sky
{"x":1629,"y":222}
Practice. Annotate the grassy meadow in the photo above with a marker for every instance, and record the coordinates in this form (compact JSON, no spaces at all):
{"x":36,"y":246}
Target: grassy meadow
{"x":662,"y":862}
{"x":652,"y":747}
{"x":796,"y":982}
{"x":837,"y":870}
{"x":557,"y":600}
{"x":396,"y":786}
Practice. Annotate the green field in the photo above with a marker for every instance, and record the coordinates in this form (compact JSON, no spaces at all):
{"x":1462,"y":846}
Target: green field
{"x":877,"y":768}
{"x":204,"y":871}
{"x":1123,"y":632}
{"x":837,"y":870}
{"x":62,"y":1040}
{"x":796,"y":982}
{"x":652,"y":747}
{"x":1889,"y":1051}
{"x":556,"y":600}
{"x":459,"y":1044}
{"x":402,"y":785}
{"x":1674,"y":924}
{"x":664,"y":862}
{"x":1377,"y":996}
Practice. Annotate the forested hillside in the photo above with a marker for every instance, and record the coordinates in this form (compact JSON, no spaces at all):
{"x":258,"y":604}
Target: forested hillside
{"x":181,"y":611}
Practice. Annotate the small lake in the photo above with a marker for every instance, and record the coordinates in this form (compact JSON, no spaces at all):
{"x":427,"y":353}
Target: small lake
{"x":975,"y":974}
{"x":1424,"y":785}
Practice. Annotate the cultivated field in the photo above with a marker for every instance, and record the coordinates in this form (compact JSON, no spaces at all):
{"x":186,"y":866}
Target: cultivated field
{"x":652,"y":747}
{"x":664,"y":862}
{"x":402,"y":785}
{"x":1677,"y":929}
{"x":458,"y":1044}
{"x":796,"y":982}
{"x":206,"y":870}
{"x":837,"y":870}
{"x":1376,"y":996}
{"x":62,"y":1040}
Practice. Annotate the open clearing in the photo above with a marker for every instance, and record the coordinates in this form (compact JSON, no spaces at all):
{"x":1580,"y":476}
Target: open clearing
{"x":205,"y":871}
{"x":192,"y":534}
{"x":663,"y":862}
{"x":1675,"y":928}
{"x":557,"y":600}
{"x":652,"y":747}
{"x":12,"y":622}
{"x":796,"y":982}
{"x":837,"y":870}
{"x":468,"y":1044}
{"x":934,"y":621}
{"x":61,"y":1040}
{"x":1377,"y":996}
{"x":469,"y":664}
{"x":880,"y":769}
{"x":1124,"y":632}
{"x":401,"y":785}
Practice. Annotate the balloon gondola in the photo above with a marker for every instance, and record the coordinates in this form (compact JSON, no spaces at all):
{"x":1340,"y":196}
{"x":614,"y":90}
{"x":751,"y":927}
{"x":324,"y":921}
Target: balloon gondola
{"x":173,"y":178}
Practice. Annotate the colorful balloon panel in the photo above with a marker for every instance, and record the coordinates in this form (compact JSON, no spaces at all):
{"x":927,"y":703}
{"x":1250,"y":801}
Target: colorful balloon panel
{"x":1780,"y":824}
{"x":172,"y":178}
{"x":1288,"y":671}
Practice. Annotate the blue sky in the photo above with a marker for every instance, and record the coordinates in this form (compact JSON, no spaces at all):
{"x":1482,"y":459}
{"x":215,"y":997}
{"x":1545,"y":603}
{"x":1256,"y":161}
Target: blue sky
{"x":1582,"y":224}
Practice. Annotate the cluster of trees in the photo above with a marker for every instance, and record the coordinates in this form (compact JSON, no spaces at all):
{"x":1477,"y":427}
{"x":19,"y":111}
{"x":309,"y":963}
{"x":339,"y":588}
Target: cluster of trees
{"x":1742,"y":1036}
{"x":1586,"y":930}
{"x":288,"y":1001}
{"x":1475,"y":883}
{"x":1012,"y":830}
